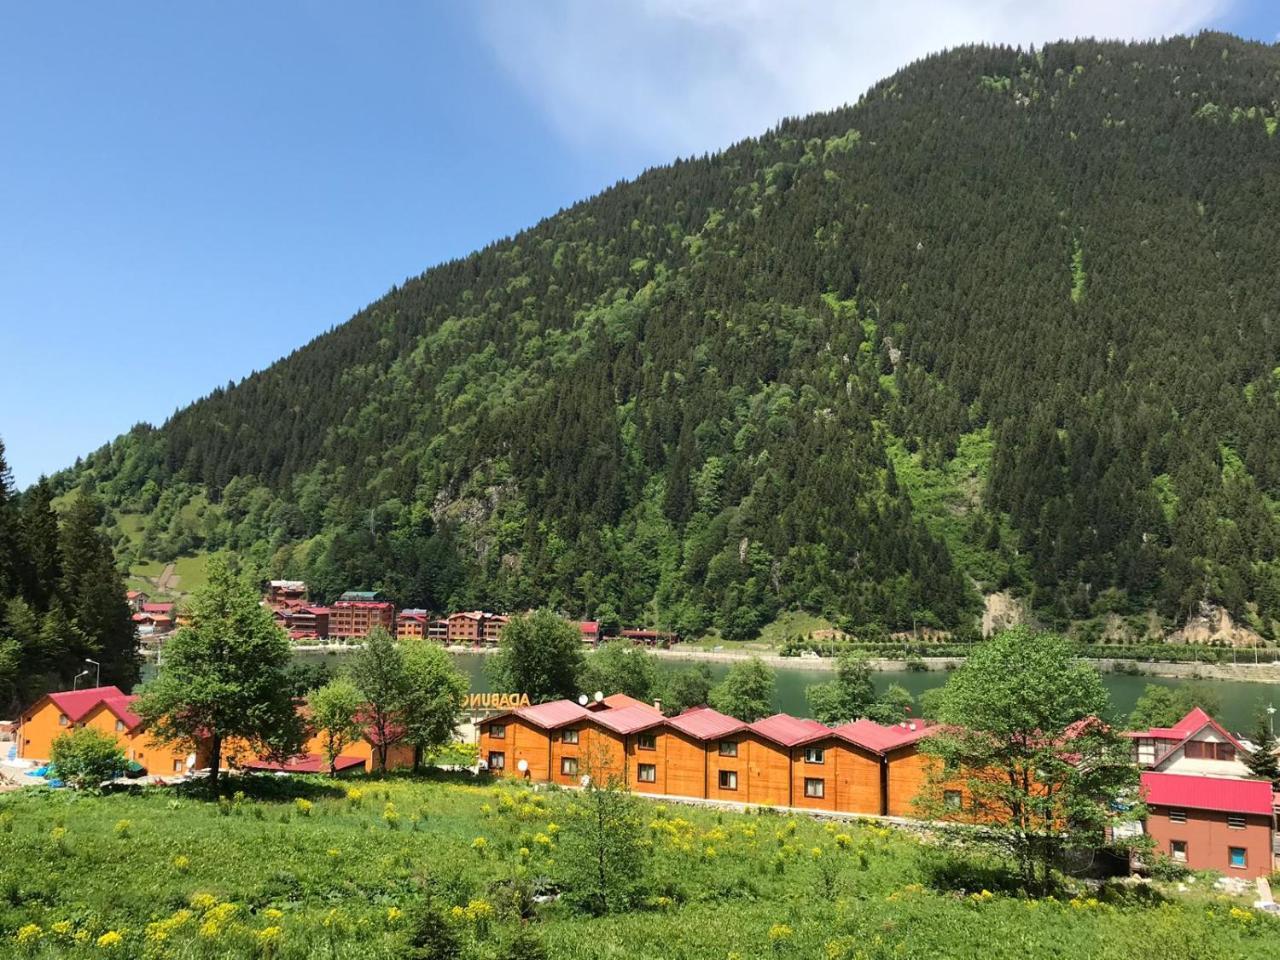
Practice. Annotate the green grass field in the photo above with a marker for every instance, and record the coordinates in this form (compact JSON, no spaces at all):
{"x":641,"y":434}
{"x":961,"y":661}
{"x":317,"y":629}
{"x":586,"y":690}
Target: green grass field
{"x":319,"y":874}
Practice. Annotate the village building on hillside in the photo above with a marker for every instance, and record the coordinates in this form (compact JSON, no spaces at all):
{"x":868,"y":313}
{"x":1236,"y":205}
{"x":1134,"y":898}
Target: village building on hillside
{"x":357,"y":612}
{"x":154,"y":621}
{"x":285,"y":593}
{"x":1204,"y":809}
{"x":651,"y":638}
{"x":412,"y":624}
{"x":467,"y":628}
{"x":303,"y":623}
{"x":135,"y":599}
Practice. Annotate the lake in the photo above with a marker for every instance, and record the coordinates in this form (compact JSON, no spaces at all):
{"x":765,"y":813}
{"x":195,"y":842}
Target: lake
{"x":1240,"y":699}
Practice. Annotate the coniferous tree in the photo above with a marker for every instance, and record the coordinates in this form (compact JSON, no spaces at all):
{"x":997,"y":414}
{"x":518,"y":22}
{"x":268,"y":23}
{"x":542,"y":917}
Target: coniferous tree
{"x":93,"y":593}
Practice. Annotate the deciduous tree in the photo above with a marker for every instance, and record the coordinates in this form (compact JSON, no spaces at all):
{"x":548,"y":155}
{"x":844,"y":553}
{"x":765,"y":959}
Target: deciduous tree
{"x":1022,"y":738}
{"x":224,"y":676}
{"x":746,"y":692}
{"x":335,"y":715}
{"x":539,"y":654}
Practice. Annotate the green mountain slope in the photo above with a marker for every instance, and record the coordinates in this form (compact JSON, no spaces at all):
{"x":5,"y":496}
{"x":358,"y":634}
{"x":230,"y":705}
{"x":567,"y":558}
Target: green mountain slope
{"x":1043,"y":284}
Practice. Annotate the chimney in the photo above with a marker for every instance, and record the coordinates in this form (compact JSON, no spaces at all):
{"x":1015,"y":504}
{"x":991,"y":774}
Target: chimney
{"x":657,"y":704}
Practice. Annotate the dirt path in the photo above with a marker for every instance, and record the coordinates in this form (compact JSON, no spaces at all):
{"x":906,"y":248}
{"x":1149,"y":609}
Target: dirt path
{"x":167,"y":582}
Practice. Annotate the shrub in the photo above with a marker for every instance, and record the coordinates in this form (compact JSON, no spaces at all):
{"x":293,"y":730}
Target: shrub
{"x":85,"y":757}
{"x":430,"y":935}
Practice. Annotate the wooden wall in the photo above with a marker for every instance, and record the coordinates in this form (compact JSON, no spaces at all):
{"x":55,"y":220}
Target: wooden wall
{"x":908,"y":772}
{"x":851,"y":777}
{"x":523,"y":741}
{"x":769,"y":773}
{"x":686,"y":772}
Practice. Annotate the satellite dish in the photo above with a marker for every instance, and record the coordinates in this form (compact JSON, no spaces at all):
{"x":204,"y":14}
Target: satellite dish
{"x":582,"y":699}
{"x":599,"y":696}
{"x":523,"y":766}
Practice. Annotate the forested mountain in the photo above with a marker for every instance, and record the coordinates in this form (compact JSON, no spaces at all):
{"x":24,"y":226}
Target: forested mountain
{"x":1044,"y":283}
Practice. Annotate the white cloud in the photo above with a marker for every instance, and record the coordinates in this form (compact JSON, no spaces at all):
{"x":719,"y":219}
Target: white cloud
{"x":683,"y":76}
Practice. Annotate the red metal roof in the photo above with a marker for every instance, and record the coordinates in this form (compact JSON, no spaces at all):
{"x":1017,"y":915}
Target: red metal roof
{"x":1224,"y":794}
{"x":164,"y":608}
{"x":616,"y":701}
{"x":557,"y":713}
{"x":879,"y":738}
{"x":788,"y":730}
{"x":76,"y":704}
{"x":1182,"y":731}
{"x":703,"y":723}
{"x":626,"y":720}
{"x":304,"y":763}
{"x":589,"y":626}
{"x":120,"y":706}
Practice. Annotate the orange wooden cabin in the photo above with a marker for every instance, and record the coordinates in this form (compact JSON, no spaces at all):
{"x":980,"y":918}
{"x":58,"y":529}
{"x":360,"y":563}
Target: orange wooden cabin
{"x":782,"y":761}
{"x":106,"y":709}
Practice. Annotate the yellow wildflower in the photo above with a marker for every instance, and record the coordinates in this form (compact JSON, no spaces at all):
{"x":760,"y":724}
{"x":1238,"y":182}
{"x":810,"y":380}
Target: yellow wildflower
{"x":394,"y":915}
{"x":110,"y":940}
{"x":62,"y":928}
{"x":203,"y":901}
{"x":181,"y":863}
{"x":780,"y":933}
{"x":303,"y":806}
{"x":271,"y":913}
{"x":268,"y":936}
{"x":30,"y":934}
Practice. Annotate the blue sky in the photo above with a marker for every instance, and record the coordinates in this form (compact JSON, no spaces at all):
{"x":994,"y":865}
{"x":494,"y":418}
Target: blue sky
{"x":190,"y":191}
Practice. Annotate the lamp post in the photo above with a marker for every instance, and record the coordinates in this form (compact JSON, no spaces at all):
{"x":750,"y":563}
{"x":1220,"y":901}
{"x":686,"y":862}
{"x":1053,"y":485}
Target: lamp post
{"x":1271,"y":717}
{"x":76,"y":681}
{"x":97,"y":679}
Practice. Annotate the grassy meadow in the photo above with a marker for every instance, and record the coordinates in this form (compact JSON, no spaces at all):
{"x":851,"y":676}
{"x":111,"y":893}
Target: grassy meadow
{"x":311,"y":868}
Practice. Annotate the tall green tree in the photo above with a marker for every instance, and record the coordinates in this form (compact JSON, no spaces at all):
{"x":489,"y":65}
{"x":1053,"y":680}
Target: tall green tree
{"x":433,"y":700}
{"x":41,"y":547}
{"x":746,"y":692}
{"x":9,"y":530}
{"x":620,"y":666}
{"x":540,"y":654}
{"x":378,"y":671}
{"x":686,"y":688}
{"x":1021,"y":732}
{"x":335,"y":715}
{"x":851,"y":695}
{"x":1264,"y":763}
{"x":93,"y":593}
{"x":1163,"y":706}
{"x":224,"y":677}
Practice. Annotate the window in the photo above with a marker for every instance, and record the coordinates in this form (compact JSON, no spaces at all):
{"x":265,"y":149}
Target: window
{"x":813,"y":754}
{"x":1238,"y":857}
{"x":815,"y":787}
{"x":951,"y":799}
{"x":497,"y":760}
{"x":62,"y":720}
{"x":728,"y":748}
{"x":569,"y":766}
{"x":177,"y":766}
{"x":1178,"y":850}
{"x":646,"y":741}
{"x":498,"y":731}
{"x":728,"y":779}
{"x":119,"y":726}
{"x":1235,"y":822}
{"x":1203,"y":750}
{"x":1177,"y":816}
{"x":569,"y":736}
{"x":647,"y":773}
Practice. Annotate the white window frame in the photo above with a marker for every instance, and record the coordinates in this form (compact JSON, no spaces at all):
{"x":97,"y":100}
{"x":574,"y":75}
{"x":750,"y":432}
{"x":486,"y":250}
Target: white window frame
{"x":651,"y":769}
